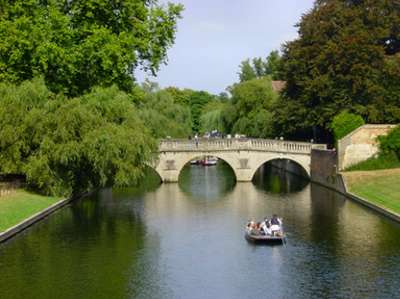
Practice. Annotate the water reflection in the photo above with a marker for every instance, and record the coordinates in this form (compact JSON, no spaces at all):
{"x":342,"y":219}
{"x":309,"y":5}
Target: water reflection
{"x":207,"y":183}
{"x":187,"y":241}
{"x":87,"y":248}
{"x":275,"y":180}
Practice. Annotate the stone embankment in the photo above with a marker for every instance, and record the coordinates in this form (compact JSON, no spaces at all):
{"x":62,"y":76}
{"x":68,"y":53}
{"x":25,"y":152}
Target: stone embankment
{"x":324,"y":171}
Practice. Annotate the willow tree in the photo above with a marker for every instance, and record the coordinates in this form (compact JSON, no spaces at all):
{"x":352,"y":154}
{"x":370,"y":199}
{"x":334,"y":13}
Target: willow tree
{"x":65,"y":146}
{"x":78,"y":44}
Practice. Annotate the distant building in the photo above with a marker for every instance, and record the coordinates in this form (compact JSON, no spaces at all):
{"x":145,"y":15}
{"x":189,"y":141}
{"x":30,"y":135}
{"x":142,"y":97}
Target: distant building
{"x":278,"y":86}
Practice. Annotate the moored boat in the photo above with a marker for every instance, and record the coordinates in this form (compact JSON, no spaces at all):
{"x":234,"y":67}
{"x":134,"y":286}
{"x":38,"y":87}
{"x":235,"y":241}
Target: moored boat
{"x":209,"y":161}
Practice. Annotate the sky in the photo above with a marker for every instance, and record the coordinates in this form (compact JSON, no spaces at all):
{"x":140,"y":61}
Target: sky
{"x":214,"y":36}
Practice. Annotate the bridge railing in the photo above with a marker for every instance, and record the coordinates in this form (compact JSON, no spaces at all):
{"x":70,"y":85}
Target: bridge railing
{"x":238,"y":144}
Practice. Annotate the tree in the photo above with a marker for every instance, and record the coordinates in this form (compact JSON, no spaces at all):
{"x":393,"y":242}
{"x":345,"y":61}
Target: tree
{"x":274,"y":66}
{"x":251,"y":112}
{"x":76,"y":45}
{"x":391,"y":143}
{"x":180,"y":96}
{"x":247,"y":71}
{"x":198,"y":100}
{"x":66,"y":146}
{"x":165,"y":117}
{"x":345,"y":123}
{"x":347,"y":56}
{"x":257,"y":67}
{"x":212,"y":117}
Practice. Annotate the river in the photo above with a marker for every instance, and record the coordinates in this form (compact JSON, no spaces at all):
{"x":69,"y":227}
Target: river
{"x":186,"y":240}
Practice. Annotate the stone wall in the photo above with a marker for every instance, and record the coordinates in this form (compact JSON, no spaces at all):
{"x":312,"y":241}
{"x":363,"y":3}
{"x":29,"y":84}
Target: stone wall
{"x":360,"y":144}
{"x":324,"y":170}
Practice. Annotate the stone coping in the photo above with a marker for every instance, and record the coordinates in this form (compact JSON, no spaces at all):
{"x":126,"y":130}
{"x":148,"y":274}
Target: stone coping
{"x":16,"y":229}
{"x":368,"y":126}
{"x":377,"y":208}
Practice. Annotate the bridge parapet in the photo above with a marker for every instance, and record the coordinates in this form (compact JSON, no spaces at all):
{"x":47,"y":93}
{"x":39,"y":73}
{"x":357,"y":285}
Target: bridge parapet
{"x":242,"y":144}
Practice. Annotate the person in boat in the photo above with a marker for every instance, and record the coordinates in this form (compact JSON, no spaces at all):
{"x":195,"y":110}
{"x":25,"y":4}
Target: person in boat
{"x":255,"y":229}
{"x":275,"y":225}
{"x":266,"y":227}
{"x":251,"y":227}
{"x":250,"y":224}
{"x":275,"y":220}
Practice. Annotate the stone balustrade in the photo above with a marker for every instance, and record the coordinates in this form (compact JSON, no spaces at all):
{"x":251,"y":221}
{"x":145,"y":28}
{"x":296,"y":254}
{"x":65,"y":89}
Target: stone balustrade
{"x":242,"y":144}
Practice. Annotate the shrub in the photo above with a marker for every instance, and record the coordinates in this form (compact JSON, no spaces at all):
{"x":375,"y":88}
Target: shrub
{"x":383,"y":161}
{"x":391,"y":142}
{"x":344,"y":123}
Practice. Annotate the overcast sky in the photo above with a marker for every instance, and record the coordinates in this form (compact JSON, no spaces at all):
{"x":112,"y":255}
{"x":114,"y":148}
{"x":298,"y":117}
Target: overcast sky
{"x":214,"y":36}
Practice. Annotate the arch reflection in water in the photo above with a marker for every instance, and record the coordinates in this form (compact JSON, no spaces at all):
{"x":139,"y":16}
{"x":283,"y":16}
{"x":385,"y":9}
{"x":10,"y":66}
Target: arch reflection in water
{"x":271,"y":177}
{"x":207,"y":183}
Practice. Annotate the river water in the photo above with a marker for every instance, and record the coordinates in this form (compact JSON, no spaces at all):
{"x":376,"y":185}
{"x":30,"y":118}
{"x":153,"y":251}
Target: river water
{"x":186,"y":240}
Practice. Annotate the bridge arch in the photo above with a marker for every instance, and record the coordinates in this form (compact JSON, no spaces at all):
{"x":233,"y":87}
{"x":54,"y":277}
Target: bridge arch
{"x":300,"y":161}
{"x":194,"y":156}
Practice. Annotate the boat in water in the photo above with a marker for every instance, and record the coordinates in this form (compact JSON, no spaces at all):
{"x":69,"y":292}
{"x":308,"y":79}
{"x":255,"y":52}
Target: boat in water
{"x":209,"y":161}
{"x":206,"y":161}
{"x":265,"y":232}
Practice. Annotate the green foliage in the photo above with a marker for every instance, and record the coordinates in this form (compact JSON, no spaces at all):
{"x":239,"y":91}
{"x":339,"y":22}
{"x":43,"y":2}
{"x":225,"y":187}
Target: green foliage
{"x":71,"y":145}
{"x":76,"y":45}
{"x":345,"y":123}
{"x":198,"y":100}
{"x":273,"y":66}
{"x":250,"y":113}
{"x":257,"y":68}
{"x":180,"y":96}
{"x":247,"y":71}
{"x":346,"y":57}
{"x":382,"y":161}
{"x":391,"y":142}
{"x":165,"y":117}
{"x":212,"y":117}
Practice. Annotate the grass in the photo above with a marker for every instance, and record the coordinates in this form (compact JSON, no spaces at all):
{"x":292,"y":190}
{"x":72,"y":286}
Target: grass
{"x":379,"y":187}
{"x":20,"y":205}
{"x":388,"y":161}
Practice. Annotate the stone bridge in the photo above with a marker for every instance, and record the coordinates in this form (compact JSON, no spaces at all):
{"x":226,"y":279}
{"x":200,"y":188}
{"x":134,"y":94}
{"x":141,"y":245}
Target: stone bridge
{"x":244,"y":156}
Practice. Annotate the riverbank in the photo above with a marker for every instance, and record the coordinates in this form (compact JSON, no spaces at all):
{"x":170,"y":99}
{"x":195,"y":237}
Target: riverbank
{"x":16,"y":207}
{"x":379,"y":187}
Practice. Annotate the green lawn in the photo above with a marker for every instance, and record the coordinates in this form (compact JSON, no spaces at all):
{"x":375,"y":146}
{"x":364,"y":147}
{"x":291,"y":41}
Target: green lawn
{"x":16,"y":207}
{"x":382,"y":189}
